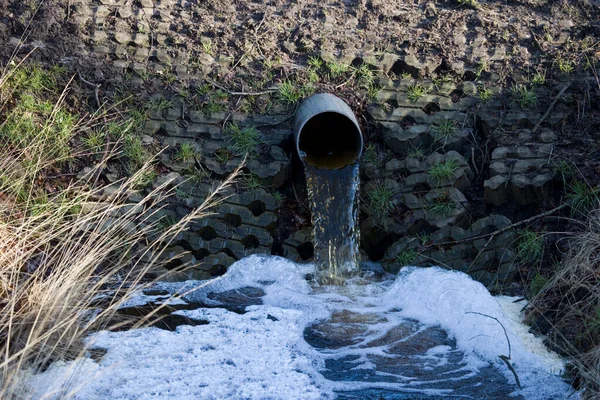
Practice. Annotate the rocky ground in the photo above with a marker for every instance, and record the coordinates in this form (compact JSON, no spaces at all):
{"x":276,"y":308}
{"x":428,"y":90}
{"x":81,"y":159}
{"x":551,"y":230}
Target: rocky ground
{"x":507,"y":91}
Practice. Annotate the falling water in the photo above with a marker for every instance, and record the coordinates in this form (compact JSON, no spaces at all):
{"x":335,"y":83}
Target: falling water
{"x":333,"y":203}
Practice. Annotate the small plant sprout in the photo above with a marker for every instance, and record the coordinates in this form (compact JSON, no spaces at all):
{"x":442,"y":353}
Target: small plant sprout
{"x":252,"y":182}
{"x":95,"y":141}
{"x":223,"y":155}
{"x":373,"y":91}
{"x":289,"y":92}
{"x":530,"y":246}
{"x":523,"y":96}
{"x":406,"y":75}
{"x":380,"y":199}
{"x":207,"y":47}
{"x":337,"y":69}
{"x":185,"y":153}
{"x":415,"y":92}
{"x":197,"y":174}
{"x":134,"y":152}
{"x":315,"y":62}
{"x":160,"y":104}
{"x":484,"y":93}
{"x":278,"y":198}
{"x":407,"y":257}
{"x":564,"y":169}
{"x":365,"y":74}
{"x":444,"y":130}
{"x":442,"y":172}
{"x":415,"y":152}
{"x":442,"y":206}
{"x":243,"y":140}
{"x":565,"y":66}
{"x":539,"y":78}
{"x":370,"y":154}
{"x":582,"y":197}
{"x":537,"y":284}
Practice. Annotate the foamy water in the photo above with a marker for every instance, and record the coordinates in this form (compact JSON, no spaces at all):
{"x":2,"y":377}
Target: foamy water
{"x":429,"y":332}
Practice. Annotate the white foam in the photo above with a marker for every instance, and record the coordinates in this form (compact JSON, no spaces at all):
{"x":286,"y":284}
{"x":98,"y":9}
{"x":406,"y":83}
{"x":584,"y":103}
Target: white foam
{"x":263,"y":354}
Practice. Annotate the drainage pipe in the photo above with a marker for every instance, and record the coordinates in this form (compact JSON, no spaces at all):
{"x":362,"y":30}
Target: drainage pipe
{"x":326,"y":132}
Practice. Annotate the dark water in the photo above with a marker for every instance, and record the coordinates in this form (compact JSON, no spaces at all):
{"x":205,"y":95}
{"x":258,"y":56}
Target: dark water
{"x":333,"y":198}
{"x":394,"y":359}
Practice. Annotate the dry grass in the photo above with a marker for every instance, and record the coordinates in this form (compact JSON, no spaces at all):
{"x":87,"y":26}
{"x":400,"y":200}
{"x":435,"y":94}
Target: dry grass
{"x":68,"y":256}
{"x":568,"y":307}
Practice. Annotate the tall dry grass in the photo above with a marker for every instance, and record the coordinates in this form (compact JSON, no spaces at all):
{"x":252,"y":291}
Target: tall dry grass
{"x":568,"y":306}
{"x":68,"y":257}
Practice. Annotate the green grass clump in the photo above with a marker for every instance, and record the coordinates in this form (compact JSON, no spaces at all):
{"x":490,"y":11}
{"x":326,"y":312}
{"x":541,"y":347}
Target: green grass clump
{"x":442,"y":172}
{"x":442,"y":206}
{"x":537,"y":284}
{"x":484,"y":93}
{"x":523,"y":96}
{"x":415,"y":92}
{"x":337,"y":69}
{"x":530,"y":246}
{"x":539,"y":78}
{"x":370,"y":154}
{"x":415,"y":152}
{"x":160,"y":104}
{"x":243,"y":140}
{"x":223,"y":155}
{"x":185,"y":153}
{"x":406,"y":257}
{"x":134,"y":152}
{"x":564,"y":169}
{"x":95,"y":140}
{"x":565,"y":66}
{"x":292,"y":91}
{"x":314,"y":62}
{"x":380,"y":200}
{"x":581,"y":197}
{"x":252,"y":182}
{"x":197,"y":175}
{"x":444,"y":130}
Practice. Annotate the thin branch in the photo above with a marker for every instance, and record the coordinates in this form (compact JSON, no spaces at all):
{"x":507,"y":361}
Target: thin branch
{"x":550,"y":107}
{"x":95,"y":85}
{"x":502,"y":357}
{"x":512,"y":369}
{"x":499,"y":231}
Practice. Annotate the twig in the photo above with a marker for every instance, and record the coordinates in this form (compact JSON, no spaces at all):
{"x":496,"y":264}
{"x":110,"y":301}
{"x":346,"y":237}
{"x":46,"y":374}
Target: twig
{"x":481,"y":251}
{"x":506,"y":228}
{"x":232,"y":93}
{"x":498,"y":321}
{"x":550,"y":107}
{"x":502,"y":357}
{"x":512,"y":369}
{"x":95,"y":85}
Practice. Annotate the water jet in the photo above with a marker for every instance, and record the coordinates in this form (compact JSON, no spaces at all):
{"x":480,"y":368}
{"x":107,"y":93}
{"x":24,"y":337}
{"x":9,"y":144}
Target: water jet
{"x":329,"y":142}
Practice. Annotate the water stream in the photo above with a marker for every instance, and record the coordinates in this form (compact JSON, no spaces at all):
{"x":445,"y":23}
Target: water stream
{"x":334,"y":203}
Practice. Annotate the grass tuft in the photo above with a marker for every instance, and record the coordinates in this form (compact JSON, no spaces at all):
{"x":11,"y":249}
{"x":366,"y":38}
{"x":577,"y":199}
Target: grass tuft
{"x":530,"y":246}
{"x":444,"y":130}
{"x":415,"y":92}
{"x":441,"y":173}
{"x":380,"y":200}
{"x":243,"y":140}
{"x":523,"y":96}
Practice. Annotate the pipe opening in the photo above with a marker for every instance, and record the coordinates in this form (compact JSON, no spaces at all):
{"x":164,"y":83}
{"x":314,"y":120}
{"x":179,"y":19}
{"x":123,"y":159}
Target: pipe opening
{"x":330,"y":140}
